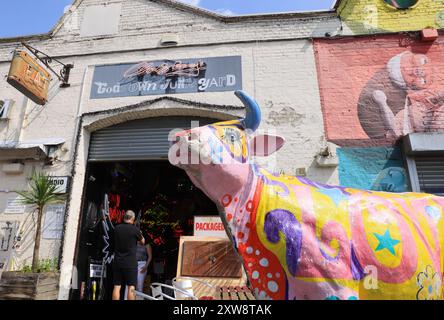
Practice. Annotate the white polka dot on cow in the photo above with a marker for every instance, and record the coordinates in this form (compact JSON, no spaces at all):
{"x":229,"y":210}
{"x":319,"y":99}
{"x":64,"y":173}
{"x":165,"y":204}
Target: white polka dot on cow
{"x":255,"y":275}
{"x":250,"y":265}
{"x":263,"y":262}
{"x":258,"y":252}
{"x":249,"y":250}
{"x":269,"y":275}
{"x":278,"y":275}
{"x":272,"y":286}
{"x":262,"y":295}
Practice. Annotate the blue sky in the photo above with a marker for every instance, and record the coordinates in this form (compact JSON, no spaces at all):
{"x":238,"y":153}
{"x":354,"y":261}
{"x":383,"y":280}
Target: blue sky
{"x":41,"y":15}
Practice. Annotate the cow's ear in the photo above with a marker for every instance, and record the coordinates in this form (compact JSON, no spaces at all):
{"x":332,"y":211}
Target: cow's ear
{"x":264,"y":145}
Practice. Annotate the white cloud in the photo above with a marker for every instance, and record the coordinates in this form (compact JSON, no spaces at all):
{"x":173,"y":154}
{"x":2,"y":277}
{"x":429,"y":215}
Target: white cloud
{"x":196,"y":3}
{"x":225,"y":12}
{"x":191,"y":2}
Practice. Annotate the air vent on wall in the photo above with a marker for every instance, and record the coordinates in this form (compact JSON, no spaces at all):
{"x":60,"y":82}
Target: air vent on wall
{"x":169,"y":39}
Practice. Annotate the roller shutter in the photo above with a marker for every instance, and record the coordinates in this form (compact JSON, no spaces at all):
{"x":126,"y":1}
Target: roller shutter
{"x":430,"y":174}
{"x":145,"y":139}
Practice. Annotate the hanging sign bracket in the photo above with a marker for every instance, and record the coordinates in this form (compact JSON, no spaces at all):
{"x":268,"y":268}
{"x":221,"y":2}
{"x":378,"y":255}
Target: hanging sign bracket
{"x":63,"y":76}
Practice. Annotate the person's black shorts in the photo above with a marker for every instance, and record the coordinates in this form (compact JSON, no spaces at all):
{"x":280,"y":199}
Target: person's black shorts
{"x":124,"y":276}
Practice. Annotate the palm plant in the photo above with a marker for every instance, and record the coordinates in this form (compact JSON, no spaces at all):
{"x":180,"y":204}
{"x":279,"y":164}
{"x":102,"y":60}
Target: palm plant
{"x":42,"y":192}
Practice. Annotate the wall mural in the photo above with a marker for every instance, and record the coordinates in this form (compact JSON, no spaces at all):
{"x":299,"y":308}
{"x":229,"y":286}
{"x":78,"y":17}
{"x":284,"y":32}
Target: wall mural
{"x":389,"y":87}
{"x":362,"y":17}
{"x":379,"y":169}
{"x":299,"y":239}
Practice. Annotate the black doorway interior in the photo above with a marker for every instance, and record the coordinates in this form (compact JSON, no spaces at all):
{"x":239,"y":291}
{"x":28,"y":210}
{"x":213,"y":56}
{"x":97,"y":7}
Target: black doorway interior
{"x":149,"y":188}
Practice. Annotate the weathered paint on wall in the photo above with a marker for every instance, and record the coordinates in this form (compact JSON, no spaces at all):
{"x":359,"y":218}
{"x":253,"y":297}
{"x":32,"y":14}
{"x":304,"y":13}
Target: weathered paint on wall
{"x":375,"y":90}
{"x":372,"y":16}
{"x":379,"y":169}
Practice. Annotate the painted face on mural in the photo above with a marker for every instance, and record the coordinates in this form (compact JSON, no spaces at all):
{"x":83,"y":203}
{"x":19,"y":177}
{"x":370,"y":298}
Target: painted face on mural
{"x":410,"y":71}
{"x":391,"y":180}
{"x":416,"y":70}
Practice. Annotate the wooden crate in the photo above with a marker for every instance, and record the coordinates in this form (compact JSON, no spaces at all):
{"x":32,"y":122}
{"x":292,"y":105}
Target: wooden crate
{"x":200,"y":290}
{"x":29,"y":286}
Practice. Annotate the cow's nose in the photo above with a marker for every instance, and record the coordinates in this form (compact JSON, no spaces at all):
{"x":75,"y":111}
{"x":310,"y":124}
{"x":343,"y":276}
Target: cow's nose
{"x":182,"y":133}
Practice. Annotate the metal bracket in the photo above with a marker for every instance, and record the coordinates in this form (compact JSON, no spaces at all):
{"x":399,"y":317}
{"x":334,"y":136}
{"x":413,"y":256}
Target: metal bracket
{"x":63,"y":76}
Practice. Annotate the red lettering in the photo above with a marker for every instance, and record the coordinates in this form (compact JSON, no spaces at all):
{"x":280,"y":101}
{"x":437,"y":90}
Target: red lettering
{"x":209,"y":226}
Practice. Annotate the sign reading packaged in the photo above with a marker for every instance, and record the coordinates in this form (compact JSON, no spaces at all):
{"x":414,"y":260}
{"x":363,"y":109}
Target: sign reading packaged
{"x":167,"y":77}
{"x":61,"y":183}
{"x":29,"y":77}
{"x":209,"y":226}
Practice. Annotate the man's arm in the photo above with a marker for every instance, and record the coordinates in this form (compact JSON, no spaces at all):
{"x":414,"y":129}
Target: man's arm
{"x":150,"y":254}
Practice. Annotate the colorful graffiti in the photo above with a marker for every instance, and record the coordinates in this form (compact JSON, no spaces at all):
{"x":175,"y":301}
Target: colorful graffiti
{"x":378,"y":169}
{"x":299,"y":239}
{"x":363,"y":17}
{"x":390,"y":86}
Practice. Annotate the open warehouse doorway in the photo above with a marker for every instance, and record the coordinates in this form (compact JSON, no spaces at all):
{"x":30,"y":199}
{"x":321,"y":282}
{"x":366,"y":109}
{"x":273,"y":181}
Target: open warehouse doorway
{"x":128,"y":169}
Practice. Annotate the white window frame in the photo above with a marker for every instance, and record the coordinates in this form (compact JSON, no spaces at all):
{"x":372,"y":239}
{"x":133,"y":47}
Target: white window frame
{"x":413,"y":174}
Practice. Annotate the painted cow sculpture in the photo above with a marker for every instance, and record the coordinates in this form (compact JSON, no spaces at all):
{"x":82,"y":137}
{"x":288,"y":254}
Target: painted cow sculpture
{"x":299,"y":239}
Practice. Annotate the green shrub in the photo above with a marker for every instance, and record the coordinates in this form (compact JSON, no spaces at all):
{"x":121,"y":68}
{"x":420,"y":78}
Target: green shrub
{"x":45,"y":265}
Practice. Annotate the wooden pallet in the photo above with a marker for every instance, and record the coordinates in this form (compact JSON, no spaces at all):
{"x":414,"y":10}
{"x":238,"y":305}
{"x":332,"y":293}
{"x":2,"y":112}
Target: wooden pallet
{"x":234,"y":293}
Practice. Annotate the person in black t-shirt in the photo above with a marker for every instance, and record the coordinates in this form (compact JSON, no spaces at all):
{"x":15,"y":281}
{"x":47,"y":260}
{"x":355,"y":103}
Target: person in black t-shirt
{"x":126,"y":236}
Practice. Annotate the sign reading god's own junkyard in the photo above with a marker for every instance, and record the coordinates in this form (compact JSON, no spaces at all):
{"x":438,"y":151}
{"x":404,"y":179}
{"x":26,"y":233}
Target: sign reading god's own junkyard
{"x":167,"y":77}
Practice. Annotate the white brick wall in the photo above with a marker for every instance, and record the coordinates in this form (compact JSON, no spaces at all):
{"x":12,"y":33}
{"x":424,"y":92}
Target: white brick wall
{"x":278,"y":70}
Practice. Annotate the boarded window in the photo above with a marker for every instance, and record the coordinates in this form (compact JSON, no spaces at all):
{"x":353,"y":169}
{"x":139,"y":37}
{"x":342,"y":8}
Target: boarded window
{"x":101,"y":20}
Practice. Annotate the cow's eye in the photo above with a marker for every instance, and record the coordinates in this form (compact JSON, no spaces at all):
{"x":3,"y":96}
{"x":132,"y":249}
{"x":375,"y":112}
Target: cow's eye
{"x":231,"y":136}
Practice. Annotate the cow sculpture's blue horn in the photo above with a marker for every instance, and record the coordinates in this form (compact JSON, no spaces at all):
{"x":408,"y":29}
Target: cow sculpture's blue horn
{"x":253,"y":118}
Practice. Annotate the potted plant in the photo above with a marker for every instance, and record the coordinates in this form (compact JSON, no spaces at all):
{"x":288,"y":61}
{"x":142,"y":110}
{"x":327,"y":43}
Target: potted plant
{"x":40,"y":280}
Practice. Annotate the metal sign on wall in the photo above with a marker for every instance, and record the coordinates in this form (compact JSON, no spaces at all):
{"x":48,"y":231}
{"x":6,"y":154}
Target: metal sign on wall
{"x":54,"y":219}
{"x":15,"y":206}
{"x":29,"y":77}
{"x":8,"y":232}
{"x":167,"y":77}
{"x":61,"y":183}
